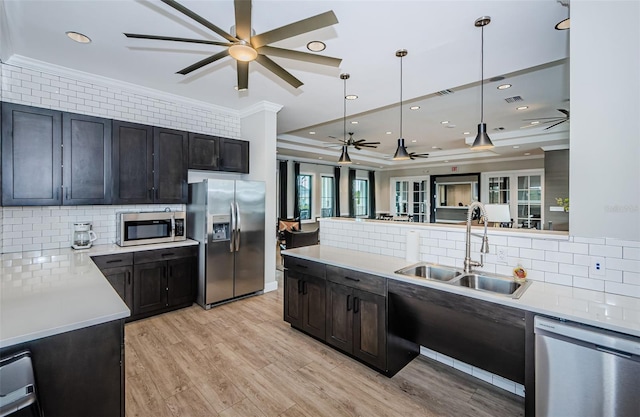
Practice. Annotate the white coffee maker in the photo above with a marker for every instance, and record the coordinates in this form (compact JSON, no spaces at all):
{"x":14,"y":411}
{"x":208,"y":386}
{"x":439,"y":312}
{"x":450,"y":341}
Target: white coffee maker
{"x":83,"y":236}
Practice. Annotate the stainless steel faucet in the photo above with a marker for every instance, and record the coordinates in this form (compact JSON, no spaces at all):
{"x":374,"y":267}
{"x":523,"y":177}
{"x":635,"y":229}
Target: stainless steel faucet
{"x":468,"y":263}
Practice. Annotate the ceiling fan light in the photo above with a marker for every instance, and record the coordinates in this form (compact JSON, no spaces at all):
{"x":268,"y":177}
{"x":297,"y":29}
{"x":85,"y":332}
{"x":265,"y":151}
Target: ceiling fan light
{"x":401,"y":152}
{"x":243,"y":52}
{"x":482,"y":139}
{"x":344,"y":157}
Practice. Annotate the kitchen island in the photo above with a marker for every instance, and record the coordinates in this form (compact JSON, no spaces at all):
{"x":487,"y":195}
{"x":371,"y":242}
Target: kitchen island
{"x":57,"y":304}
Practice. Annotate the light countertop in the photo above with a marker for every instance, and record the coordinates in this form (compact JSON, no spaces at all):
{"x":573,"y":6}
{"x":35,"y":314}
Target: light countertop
{"x":48,"y":292}
{"x":608,"y":311}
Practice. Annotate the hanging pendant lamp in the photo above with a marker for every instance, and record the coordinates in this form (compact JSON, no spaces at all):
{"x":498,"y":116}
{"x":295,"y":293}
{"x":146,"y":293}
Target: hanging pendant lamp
{"x":344,"y":158}
{"x":482,"y":140}
{"x":401,"y":152}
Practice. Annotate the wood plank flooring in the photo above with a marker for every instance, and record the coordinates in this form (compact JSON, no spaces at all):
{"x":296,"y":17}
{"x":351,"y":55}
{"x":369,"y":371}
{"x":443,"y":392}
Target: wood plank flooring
{"x":242,"y":360}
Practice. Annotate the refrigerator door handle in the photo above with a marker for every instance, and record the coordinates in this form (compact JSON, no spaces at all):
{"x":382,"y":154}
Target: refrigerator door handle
{"x":232,"y":232}
{"x":237,"y":239}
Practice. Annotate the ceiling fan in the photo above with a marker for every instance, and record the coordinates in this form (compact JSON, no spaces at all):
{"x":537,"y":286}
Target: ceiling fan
{"x":245,"y":47}
{"x":414,"y":155}
{"x":555,"y":120}
{"x":357,"y":144}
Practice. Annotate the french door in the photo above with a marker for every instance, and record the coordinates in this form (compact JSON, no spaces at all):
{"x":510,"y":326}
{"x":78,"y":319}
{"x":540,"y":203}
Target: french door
{"x":410,"y":198}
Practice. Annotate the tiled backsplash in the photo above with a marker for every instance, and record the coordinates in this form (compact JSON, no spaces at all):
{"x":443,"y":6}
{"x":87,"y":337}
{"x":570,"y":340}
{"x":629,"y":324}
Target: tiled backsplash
{"x":558,"y":259}
{"x":50,"y":227}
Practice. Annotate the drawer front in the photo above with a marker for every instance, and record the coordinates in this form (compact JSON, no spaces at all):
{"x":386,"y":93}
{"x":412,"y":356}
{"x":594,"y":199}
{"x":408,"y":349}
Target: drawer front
{"x":163,"y":254}
{"x":113,"y":261}
{"x":358,"y":280}
{"x":304,"y":266}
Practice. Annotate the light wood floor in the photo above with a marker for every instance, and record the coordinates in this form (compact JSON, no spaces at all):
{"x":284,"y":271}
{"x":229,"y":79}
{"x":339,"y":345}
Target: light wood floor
{"x":242,"y":360}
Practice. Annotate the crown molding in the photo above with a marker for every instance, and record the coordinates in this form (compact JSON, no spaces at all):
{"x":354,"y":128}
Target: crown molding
{"x":262,"y":106}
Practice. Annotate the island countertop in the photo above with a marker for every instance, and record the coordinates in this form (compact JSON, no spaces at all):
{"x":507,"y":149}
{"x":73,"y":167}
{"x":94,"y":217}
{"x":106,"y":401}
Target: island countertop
{"x":48,"y":292}
{"x":608,"y":311}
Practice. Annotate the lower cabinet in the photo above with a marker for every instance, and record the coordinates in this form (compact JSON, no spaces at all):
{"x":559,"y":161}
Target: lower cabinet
{"x":304,"y":300}
{"x":152,"y":282}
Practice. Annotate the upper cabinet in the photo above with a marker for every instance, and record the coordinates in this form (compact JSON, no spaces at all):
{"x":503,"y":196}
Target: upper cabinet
{"x":149,"y":164}
{"x":213,"y":153}
{"x":54,"y":158}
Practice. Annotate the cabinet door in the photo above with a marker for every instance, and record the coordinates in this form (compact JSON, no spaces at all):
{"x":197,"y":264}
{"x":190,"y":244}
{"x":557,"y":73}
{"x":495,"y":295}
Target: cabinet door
{"x":369,"y":328}
{"x":31,"y":156}
{"x":170,"y":166}
{"x":149,"y":287}
{"x":293,"y":299}
{"x":132,"y":163}
{"x":203,"y":152}
{"x":234,"y":155}
{"x":339,"y":316}
{"x":181,"y":281}
{"x":314,"y":306}
{"x":120,"y":279}
{"x":86,"y":159}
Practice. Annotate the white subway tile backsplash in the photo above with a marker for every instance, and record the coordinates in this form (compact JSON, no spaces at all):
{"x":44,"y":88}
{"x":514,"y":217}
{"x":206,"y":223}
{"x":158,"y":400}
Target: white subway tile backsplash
{"x":519,"y":242}
{"x":631,"y":278}
{"x":588,"y":283}
{"x":623,"y":264}
{"x":561,"y":257}
{"x":604,"y":250}
{"x":631,"y":253}
{"x":560,"y":279}
{"x":532,"y":254}
{"x":580,"y":248}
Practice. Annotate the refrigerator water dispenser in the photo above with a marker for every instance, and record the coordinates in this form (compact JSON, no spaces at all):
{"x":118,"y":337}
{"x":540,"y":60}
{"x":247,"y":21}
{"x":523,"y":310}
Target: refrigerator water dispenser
{"x":220,"y":232}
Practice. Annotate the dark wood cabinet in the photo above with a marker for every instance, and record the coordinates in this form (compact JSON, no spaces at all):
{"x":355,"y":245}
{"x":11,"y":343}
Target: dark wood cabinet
{"x":356,"y":318}
{"x":31,"y":156}
{"x":120,"y":279}
{"x":149,"y":164}
{"x":483,"y":334}
{"x":86,"y":159}
{"x":214,"y":153}
{"x":304,"y":301}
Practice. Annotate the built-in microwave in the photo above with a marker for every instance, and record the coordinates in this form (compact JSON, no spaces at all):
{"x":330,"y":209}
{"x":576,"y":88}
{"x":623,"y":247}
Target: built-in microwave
{"x":144,"y":228}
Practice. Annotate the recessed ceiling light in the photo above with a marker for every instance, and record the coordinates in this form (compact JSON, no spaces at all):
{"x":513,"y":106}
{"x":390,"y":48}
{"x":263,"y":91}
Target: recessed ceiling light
{"x":357,"y":163}
{"x":504,"y":86}
{"x":522,"y":108}
{"x":316,"y":46}
{"x":446,"y":161}
{"x":414,"y":107}
{"x":450,"y":126}
{"x":319,"y":157}
{"x":436,"y":147}
{"x":444,"y":122}
{"x":388,"y":133}
{"x":466,"y":133}
{"x":351,"y":97}
{"x":312,"y":133}
{"x":527,"y":153}
{"x":413,"y":141}
{"x":78,"y":37}
{"x":535,"y":122}
{"x":355,"y":122}
{"x":516,"y":147}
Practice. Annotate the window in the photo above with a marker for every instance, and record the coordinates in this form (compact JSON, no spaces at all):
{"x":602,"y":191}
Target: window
{"x":304,"y":196}
{"x":361,"y":197}
{"x":326,"y":197}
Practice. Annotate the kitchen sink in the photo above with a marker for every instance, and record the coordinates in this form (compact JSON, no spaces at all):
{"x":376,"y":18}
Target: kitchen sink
{"x":494,"y":284}
{"x":429,"y":271}
{"x":452,"y":276}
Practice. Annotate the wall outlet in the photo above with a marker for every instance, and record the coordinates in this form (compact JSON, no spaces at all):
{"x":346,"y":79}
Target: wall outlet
{"x":597,"y":266}
{"x":502,"y":256}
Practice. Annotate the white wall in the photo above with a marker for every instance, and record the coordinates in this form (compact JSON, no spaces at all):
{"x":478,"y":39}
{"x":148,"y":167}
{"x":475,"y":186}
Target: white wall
{"x":605,"y":119}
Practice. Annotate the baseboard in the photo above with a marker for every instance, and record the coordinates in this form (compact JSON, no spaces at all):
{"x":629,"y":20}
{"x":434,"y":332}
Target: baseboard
{"x":270,"y":286}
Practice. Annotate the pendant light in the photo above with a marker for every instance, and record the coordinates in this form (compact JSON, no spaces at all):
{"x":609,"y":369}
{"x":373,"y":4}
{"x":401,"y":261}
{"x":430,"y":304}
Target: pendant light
{"x":482,"y":139}
{"x":401,"y":152}
{"x":344,"y":158}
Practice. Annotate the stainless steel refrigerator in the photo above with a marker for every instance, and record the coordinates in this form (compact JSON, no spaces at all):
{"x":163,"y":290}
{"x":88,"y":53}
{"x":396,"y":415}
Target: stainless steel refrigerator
{"x":227,"y":218}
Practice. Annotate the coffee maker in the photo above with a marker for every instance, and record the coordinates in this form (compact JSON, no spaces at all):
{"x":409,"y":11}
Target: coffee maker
{"x":83,"y":236}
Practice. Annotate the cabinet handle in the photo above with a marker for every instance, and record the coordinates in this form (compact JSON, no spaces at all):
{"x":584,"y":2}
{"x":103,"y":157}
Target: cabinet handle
{"x":129,"y":277}
{"x":156,"y":193}
{"x":356,"y":305}
{"x":57,"y":193}
{"x":150,"y":193}
{"x":170,"y":271}
{"x":299,"y":287}
{"x":304,"y":287}
{"x":353,"y":279}
{"x":66,"y":193}
{"x":113,"y":261}
{"x":168,"y":254}
{"x":348,"y":302}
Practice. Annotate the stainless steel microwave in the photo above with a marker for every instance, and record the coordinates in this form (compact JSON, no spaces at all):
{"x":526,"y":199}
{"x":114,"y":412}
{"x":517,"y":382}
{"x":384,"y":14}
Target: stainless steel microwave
{"x":144,"y":228}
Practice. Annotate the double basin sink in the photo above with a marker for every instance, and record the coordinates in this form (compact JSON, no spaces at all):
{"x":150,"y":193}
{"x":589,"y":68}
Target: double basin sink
{"x":491,"y":283}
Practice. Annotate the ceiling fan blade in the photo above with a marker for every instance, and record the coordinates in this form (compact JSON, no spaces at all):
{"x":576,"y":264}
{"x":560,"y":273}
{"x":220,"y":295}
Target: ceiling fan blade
{"x":204,"y":22}
{"x":545,"y":118}
{"x":555,"y":124}
{"x":204,"y":62}
{"x":299,"y":55}
{"x":278,"y":70}
{"x":565,"y":112}
{"x":364,"y":145}
{"x":243,"y":75}
{"x":302,"y":26}
{"x":243,"y":19}
{"x":170,"y":38}
{"x":418,"y":155}
{"x":364,"y":142}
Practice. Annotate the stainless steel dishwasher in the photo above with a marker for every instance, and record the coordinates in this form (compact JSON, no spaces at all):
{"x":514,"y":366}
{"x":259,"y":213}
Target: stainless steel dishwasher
{"x":584,"y":371}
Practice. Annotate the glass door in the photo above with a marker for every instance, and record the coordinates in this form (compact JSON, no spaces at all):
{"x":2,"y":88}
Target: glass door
{"x":522,"y":190}
{"x":529,"y":201}
{"x":410,"y":199}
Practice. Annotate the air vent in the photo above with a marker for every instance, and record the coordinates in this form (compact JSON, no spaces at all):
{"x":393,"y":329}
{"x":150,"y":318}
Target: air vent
{"x":444,"y":92}
{"x":513,"y":99}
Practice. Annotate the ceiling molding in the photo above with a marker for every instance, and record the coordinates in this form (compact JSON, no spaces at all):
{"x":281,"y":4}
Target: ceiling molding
{"x":52,"y":69}
{"x":263,"y":106}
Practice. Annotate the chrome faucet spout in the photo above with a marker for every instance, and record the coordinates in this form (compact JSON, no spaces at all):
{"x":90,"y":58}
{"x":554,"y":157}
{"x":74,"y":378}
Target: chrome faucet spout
{"x":468,"y":263}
